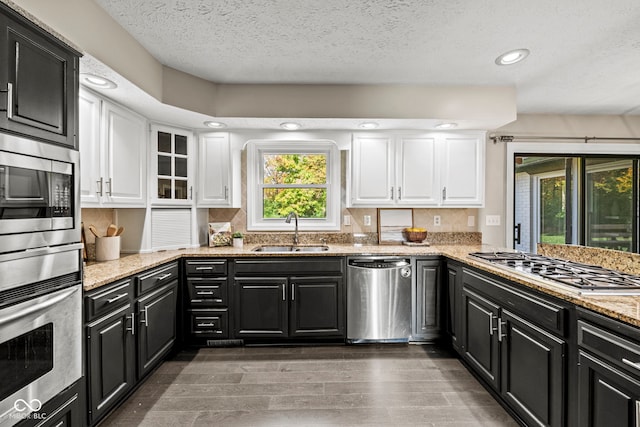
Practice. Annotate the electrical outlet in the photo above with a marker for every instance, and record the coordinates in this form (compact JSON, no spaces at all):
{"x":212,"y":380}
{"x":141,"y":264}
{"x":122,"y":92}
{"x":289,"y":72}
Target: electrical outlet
{"x":493,"y":220}
{"x":367,"y":220}
{"x":436,"y":221}
{"x":347,"y":220}
{"x":471,"y":221}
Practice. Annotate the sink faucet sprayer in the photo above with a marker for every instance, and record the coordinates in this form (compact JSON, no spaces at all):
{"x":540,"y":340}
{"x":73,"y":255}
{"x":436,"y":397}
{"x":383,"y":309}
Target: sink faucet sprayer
{"x":288,"y":221}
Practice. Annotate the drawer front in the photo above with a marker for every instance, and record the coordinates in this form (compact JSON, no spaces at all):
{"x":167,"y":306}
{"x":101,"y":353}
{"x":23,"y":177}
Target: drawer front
{"x":209,"y":323}
{"x":616,"y":349}
{"x":210,"y":292}
{"x":206,"y":267}
{"x":156,"y":277}
{"x":108,"y":298}
{"x":545,"y":313}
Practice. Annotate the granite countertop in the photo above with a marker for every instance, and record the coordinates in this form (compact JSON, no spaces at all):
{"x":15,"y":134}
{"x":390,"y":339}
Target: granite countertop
{"x":623,"y":308}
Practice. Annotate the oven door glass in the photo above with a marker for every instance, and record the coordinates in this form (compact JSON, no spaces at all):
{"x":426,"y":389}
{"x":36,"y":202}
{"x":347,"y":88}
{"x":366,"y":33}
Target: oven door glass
{"x":25,"y":358}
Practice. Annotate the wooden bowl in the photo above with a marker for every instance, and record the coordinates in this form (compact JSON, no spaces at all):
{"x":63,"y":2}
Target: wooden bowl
{"x":415,"y":236}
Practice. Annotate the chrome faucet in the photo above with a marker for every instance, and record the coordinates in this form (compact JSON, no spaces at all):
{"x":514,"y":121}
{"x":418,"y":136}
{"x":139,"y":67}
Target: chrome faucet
{"x":288,"y":221}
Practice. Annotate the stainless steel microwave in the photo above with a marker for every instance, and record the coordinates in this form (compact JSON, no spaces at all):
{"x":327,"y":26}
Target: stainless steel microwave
{"x":39,"y":193}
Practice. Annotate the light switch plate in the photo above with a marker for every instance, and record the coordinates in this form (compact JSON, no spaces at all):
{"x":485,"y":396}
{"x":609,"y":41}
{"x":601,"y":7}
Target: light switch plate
{"x":367,"y":220}
{"x":493,"y":220}
{"x":471,"y":221}
{"x":347,"y":220}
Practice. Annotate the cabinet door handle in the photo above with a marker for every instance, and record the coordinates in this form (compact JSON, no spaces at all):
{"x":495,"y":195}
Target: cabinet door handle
{"x":635,"y":365}
{"x":191,"y":193}
{"x":293,"y":292}
{"x":116,"y":298}
{"x":99,"y":191}
{"x":492,"y":329}
{"x":502,"y":324}
{"x":391,"y":193}
{"x":444,"y":193}
{"x":399,"y":193}
{"x":284,"y":292}
{"x":108,"y":182}
{"x":132,"y":329}
{"x":164,"y":276}
{"x":9,"y":100}
{"x":226,"y":192}
{"x":145,"y":321}
{"x":637,"y":413}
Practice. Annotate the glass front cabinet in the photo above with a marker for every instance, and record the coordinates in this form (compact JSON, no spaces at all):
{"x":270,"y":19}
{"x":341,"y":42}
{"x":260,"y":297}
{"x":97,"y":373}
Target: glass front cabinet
{"x":173,"y":165}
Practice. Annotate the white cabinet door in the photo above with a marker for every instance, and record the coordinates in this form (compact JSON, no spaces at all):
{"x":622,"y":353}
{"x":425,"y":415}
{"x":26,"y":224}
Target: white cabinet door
{"x":171,"y":166}
{"x":214,"y":171}
{"x":463,"y":170}
{"x":372,"y":171}
{"x":90,"y":155}
{"x":417,"y":171}
{"x":124,"y":138}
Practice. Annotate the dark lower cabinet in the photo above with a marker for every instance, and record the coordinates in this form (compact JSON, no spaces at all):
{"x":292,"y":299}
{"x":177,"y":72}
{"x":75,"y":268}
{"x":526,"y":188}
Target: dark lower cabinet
{"x":453,"y":290}
{"x":158,"y":330}
{"x":481,"y":339}
{"x":39,"y":78}
{"x":608,"y":372}
{"x":524,"y":363}
{"x":607,"y":396}
{"x":64,"y":410}
{"x":261,"y":307}
{"x":110,"y":360}
{"x":288,"y":298}
{"x":532,"y":370}
{"x":427,"y":316}
{"x":316,"y":306}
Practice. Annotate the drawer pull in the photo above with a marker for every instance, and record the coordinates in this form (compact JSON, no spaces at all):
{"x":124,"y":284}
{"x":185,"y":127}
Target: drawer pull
{"x":206,"y":325}
{"x":164,"y":276}
{"x":635,"y":365}
{"x":116,"y":298}
{"x":204,"y":268}
{"x":204,"y":293}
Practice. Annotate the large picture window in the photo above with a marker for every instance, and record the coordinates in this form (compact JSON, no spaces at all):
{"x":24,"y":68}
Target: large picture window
{"x":293,"y":176}
{"x":588,"y":199}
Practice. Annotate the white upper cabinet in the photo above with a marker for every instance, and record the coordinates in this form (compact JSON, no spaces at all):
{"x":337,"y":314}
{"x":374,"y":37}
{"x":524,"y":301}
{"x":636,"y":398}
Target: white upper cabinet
{"x":172,"y":166}
{"x":372,"y":170}
{"x":218,"y":172}
{"x":425,"y":170}
{"x":112,"y":154}
{"x":463,"y":170}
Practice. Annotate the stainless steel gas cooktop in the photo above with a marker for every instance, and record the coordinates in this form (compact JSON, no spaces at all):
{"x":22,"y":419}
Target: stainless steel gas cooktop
{"x":584,"y":279}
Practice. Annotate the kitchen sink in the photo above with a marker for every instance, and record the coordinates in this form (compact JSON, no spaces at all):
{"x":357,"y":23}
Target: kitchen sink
{"x":291,"y":248}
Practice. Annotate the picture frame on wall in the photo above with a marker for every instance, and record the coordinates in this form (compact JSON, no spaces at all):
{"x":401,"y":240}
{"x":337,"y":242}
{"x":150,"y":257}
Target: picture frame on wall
{"x":391,"y":222}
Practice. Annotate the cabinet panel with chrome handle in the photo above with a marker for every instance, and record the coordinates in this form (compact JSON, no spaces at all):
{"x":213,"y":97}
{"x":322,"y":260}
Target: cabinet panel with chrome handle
{"x":132,"y":319}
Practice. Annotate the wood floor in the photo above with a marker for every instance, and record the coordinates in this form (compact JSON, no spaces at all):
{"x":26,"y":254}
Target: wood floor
{"x":385,"y":385}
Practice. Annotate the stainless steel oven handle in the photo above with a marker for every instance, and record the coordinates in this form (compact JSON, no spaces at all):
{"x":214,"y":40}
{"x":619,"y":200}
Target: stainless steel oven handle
{"x":28,"y":311}
{"x":9,"y":100}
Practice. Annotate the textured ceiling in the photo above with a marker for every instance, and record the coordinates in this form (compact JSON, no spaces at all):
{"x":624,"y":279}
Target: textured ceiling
{"x":585,"y":54}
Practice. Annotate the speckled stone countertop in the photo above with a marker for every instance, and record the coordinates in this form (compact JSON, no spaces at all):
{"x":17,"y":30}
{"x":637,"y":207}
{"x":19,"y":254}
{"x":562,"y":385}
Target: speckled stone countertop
{"x":623,"y":308}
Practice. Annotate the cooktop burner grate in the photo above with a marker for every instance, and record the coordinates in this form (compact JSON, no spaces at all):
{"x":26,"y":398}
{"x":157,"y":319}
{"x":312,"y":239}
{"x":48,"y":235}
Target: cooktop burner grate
{"x":585,"y":278}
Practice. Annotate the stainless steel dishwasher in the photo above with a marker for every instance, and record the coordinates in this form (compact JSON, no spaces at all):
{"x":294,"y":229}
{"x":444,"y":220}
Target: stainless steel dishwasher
{"x":378,"y":299}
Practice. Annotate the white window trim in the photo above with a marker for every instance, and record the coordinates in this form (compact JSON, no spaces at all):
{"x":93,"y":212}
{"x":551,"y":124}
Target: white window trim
{"x":552,"y":147}
{"x":256,"y":149}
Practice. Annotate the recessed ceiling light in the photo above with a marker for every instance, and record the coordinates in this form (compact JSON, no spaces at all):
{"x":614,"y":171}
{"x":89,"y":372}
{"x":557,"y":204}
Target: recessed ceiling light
{"x":450,"y":125}
{"x":290,"y":126}
{"x":512,"y":57}
{"x":368,"y":125}
{"x":97,"y":81}
{"x":215,"y":125}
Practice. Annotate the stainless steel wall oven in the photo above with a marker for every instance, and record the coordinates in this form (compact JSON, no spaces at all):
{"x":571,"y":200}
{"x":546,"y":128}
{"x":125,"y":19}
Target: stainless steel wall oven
{"x":39,"y":190}
{"x":40,"y":276}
